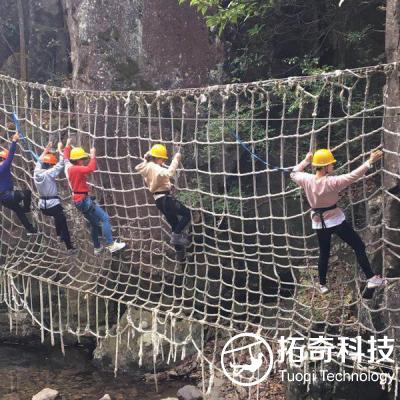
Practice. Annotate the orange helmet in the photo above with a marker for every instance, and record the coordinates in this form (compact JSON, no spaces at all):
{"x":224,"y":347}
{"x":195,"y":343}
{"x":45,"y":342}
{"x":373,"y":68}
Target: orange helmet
{"x":3,"y":154}
{"x":49,"y":158}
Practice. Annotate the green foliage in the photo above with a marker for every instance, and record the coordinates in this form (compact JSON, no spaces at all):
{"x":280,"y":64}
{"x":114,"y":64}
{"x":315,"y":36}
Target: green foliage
{"x":291,"y":37}
{"x":309,"y":65}
{"x":219,"y":16}
{"x":218,"y":130}
{"x":245,"y":61}
{"x":222,"y":205}
{"x":355,"y":37}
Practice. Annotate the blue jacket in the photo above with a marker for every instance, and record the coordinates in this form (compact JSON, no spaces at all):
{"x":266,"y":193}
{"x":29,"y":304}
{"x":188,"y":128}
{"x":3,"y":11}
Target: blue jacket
{"x":6,"y":181}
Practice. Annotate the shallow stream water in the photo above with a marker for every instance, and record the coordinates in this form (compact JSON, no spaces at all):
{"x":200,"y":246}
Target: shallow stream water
{"x":25,"y":370}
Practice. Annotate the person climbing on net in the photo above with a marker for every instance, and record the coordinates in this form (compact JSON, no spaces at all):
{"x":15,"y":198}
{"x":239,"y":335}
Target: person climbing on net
{"x":322,"y":192}
{"x":9,"y":197}
{"x":78,"y":166}
{"x":46,"y":171}
{"x":158,"y":181}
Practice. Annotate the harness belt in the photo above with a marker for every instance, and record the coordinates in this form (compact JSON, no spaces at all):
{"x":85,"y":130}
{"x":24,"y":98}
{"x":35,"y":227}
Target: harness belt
{"x":165,"y":192}
{"x":86,"y":193}
{"x":49,"y":197}
{"x":158,"y":195}
{"x":320,"y":213}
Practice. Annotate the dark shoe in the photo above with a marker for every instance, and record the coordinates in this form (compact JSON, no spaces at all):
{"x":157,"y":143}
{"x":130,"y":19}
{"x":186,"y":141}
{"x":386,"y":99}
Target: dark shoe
{"x":176,"y":239}
{"x":187,"y":239}
{"x":179,"y":239}
{"x":72,"y":252}
{"x":180,"y":256}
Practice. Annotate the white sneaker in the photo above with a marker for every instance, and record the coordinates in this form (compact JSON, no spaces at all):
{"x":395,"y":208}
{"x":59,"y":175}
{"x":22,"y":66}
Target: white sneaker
{"x":323,"y":289}
{"x":116,"y":246}
{"x":32,"y":233}
{"x":97,"y":251}
{"x":375,"y":282}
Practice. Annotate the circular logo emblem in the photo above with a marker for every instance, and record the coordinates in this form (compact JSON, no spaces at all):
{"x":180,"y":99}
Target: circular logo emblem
{"x":247,"y":359}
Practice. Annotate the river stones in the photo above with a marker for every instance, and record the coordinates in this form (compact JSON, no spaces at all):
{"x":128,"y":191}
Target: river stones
{"x":189,"y":392}
{"x":46,"y":394}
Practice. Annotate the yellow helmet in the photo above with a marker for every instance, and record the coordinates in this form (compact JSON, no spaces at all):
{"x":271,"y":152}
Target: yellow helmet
{"x":322,"y":158}
{"x":77,"y":153}
{"x":159,"y":151}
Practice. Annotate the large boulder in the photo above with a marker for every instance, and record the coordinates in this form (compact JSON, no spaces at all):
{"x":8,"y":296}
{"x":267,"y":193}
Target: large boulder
{"x":136,"y":44}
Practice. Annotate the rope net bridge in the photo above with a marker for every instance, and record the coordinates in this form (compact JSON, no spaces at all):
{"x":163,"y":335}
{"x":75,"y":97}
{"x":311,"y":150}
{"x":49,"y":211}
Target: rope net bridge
{"x":251,"y":266}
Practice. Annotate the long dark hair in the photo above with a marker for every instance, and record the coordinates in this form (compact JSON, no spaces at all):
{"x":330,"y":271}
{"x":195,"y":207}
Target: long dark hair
{"x":150,"y":158}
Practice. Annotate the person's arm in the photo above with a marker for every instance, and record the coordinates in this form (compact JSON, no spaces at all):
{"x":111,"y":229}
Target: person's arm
{"x":297,"y":175}
{"x":38,"y":165}
{"x":343,"y":181}
{"x":6,"y":164}
{"x":67,"y":151}
{"x":67,"y":162}
{"x":171,"y":170}
{"x":45,"y":151}
{"x":56,"y":170}
{"x":86,"y":169}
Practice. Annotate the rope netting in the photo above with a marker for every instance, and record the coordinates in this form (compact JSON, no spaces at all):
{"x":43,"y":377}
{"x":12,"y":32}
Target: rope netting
{"x":251,"y":266}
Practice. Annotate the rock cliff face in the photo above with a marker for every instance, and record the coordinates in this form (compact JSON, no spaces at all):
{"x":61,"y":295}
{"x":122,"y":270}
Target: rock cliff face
{"x":107,"y":45}
{"x":136,"y":44}
{"x":9,"y":41}
{"x":48,"y":48}
{"x":47,"y":40}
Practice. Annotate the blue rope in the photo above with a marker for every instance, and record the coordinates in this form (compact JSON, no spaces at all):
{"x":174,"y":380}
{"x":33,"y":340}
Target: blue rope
{"x":256,"y":157}
{"x":19,"y":130}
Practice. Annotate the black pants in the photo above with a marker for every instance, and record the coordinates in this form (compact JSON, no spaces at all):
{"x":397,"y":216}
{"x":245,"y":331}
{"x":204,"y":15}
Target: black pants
{"x":348,"y":235}
{"x":12,"y":200}
{"x":177,"y":215}
{"x":60,"y":220}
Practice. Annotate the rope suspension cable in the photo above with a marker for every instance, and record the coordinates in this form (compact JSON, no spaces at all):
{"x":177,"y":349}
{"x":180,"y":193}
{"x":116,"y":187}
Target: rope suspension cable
{"x":256,"y":157}
{"x":24,"y":140}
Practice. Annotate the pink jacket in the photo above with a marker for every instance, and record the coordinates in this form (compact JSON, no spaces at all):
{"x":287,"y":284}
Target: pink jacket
{"x":324,"y":192}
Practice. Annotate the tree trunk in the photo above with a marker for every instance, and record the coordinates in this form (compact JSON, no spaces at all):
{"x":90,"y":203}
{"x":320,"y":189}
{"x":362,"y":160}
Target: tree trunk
{"x":22,"y":45}
{"x":391,"y":221}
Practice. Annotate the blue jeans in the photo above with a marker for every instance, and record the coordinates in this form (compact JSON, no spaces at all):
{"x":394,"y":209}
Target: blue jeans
{"x":96,"y":215}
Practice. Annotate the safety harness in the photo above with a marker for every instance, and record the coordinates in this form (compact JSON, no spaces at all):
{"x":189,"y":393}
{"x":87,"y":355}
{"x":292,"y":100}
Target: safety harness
{"x":320,"y":212}
{"x":45,"y":198}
